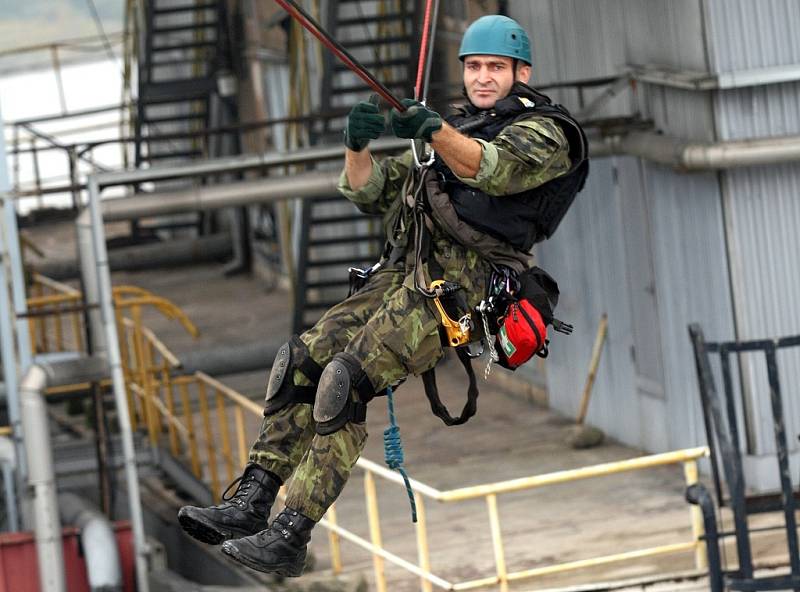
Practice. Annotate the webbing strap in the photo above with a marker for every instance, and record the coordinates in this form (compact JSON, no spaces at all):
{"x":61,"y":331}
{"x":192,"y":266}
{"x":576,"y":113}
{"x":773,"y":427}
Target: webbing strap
{"x":303,"y":394}
{"x":303,"y":360}
{"x":432,"y":392}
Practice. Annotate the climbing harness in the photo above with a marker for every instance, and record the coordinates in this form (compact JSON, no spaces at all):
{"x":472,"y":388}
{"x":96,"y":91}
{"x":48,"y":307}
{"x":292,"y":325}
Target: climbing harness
{"x":393,"y":451}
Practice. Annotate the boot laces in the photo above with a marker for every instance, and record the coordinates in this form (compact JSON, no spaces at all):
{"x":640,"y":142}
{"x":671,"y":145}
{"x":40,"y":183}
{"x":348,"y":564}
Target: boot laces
{"x":281,"y":527}
{"x":239,"y":497}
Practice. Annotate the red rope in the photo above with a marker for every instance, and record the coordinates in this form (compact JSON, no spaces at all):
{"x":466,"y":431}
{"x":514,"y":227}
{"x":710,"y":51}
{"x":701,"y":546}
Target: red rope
{"x":340,"y":52}
{"x":423,"y":51}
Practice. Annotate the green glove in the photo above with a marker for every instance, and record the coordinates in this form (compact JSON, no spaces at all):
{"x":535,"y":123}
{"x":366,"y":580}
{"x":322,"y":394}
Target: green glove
{"x":417,"y":121}
{"x":364,"y":123}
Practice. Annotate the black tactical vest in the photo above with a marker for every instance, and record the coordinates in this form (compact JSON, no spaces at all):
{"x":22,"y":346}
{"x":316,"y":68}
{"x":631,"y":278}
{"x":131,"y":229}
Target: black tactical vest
{"x":529,"y":217}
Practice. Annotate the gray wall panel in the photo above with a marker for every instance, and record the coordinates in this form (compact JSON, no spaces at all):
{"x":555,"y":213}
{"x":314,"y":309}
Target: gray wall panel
{"x":745,"y":34}
{"x":587,"y":257}
{"x":667,"y":33}
{"x":691,"y":274}
{"x":656,"y":249}
{"x":763,"y":214}
{"x":574,"y":39}
{"x":759,"y":111}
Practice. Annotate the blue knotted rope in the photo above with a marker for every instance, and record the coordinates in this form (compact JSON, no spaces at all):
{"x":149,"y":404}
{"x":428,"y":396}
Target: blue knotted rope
{"x":393,"y":451}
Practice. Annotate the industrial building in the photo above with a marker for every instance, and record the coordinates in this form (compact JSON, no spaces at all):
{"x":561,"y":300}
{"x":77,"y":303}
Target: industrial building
{"x":223,"y":152}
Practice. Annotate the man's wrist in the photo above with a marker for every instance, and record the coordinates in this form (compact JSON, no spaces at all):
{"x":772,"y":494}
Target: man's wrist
{"x":354,"y":144}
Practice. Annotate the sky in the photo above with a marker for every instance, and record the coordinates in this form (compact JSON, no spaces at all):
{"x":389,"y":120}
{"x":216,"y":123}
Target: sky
{"x":32,"y":22}
{"x":27,"y":92}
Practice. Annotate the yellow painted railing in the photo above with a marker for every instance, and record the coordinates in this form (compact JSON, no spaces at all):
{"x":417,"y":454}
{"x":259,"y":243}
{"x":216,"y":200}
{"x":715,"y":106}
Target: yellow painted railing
{"x":208,"y":429}
{"x":490,"y":492}
{"x":205,"y":423}
{"x":55,"y":318}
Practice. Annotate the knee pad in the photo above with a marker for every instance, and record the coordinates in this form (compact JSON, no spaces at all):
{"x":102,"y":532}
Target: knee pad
{"x":292,"y":355}
{"x":335,"y":404}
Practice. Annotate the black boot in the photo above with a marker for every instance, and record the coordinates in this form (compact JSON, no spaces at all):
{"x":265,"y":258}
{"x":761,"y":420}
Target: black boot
{"x":244,"y":513}
{"x":280,"y":549}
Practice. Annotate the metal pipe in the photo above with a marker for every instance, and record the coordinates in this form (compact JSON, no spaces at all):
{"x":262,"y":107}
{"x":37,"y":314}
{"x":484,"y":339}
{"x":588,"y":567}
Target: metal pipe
{"x":315,"y":184}
{"x":15,"y":352}
{"x":98,"y":542}
{"x":17,"y":283}
{"x":662,"y":149}
{"x":8,"y":354}
{"x":160,"y":254}
{"x":687,"y":156}
{"x":112,"y":353}
{"x":234,"y":359}
{"x":241,"y":163}
{"x":8,"y":462}
{"x":41,"y":475}
{"x":41,"y":479}
{"x":679,"y":153}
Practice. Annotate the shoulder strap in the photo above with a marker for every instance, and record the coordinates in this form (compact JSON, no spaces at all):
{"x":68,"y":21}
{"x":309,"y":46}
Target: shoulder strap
{"x":432,"y":392}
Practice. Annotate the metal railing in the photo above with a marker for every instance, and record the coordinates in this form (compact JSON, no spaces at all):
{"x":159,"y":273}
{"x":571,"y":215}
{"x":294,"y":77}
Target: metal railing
{"x":219,"y":444}
{"x":55,"y":316}
{"x":204,"y":423}
{"x":490,"y":493}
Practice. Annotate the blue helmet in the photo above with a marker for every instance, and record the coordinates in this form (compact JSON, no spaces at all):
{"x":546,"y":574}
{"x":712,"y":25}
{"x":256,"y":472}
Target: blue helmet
{"x":496,"y":35}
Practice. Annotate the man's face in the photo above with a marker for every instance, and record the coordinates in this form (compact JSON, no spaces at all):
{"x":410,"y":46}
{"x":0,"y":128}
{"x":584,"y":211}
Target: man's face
{"x":489,"y":78}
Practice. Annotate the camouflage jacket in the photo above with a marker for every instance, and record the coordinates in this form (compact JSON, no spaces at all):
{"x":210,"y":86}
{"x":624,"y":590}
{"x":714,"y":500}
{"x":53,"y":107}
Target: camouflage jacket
{"x":527,"y":153}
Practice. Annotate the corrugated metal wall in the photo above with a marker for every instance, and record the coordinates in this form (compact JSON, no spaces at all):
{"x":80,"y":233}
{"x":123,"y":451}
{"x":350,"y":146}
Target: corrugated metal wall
{"x":761,"y":206}
{"x":656,"y":249}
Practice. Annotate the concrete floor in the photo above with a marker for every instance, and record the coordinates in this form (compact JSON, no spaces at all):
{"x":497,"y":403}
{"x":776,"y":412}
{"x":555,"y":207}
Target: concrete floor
{"x":509,"y":438}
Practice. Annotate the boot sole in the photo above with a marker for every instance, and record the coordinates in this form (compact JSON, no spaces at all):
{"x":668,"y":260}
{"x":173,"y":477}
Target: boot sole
{"x":287,"y":570}
{"x":204,"y":531}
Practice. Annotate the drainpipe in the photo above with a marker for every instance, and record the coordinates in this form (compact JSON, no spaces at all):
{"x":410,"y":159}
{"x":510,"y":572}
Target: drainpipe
{"x":97,"y":290}
{"x":8,"y":462}
{"x":41,"y":475}
{"x":686,"y":156}
{"x":98,"y":542}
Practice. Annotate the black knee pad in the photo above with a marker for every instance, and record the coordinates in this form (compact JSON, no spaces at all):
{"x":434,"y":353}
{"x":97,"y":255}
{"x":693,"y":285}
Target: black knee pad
{"x":292,"y":355}
{"x":335,"y":404}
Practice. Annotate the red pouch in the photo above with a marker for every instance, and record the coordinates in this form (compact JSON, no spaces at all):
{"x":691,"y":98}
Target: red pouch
{"x":522,"y":334}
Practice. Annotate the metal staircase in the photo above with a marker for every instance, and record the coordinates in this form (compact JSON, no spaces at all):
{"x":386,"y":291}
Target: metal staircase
{"x":185,"y":58}
{"x":382,"y":34}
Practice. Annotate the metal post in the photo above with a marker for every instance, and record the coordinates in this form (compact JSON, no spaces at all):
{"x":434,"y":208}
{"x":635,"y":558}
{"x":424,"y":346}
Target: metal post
{"x":59,"y":82}
{"x":16,"y":155}
{"x":73,"y":178}
{"x":42,"y":482}
{"x":9,"y":356}
{"x":787,"y":490}
{"x":333,"y":542}
{"x":423,"y":553}
{"x":15,"y":359}
{"x":373,"y":517}
{"x":497,"y":542}
{"x":103,"y":283}
{"x":696,"y":516}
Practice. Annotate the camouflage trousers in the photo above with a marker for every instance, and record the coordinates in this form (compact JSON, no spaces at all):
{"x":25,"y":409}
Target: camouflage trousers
{"x":393,"y":331}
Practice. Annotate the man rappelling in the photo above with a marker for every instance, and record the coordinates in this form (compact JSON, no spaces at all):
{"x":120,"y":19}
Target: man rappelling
{"x":460,"y":227}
